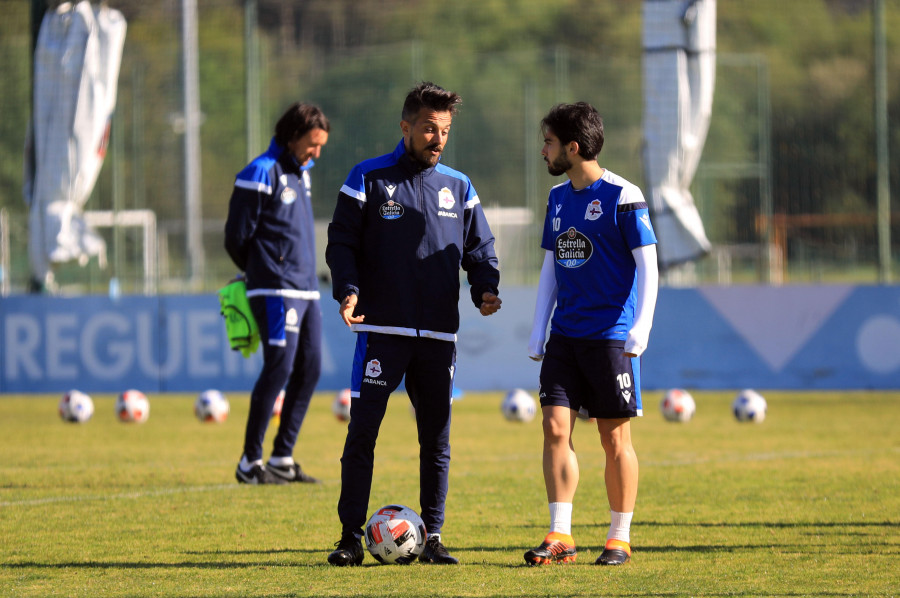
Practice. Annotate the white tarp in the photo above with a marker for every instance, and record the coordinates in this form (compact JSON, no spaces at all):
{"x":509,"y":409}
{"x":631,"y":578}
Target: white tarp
{"x":679,"y":78}
{"x":76,"y":69}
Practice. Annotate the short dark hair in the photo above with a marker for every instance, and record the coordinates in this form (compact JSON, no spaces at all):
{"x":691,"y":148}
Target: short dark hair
{"x":428,"y":95}
{"x":578,"y":122}
{"x":297,"y":121}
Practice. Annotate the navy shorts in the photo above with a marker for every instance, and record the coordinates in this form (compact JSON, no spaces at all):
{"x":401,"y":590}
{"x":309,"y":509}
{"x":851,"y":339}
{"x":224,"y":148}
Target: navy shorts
{"x":596,"y":375}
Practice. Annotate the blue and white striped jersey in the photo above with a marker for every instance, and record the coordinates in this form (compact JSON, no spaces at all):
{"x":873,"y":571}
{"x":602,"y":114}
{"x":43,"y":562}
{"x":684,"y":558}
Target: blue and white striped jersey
{"x":591,"y":233}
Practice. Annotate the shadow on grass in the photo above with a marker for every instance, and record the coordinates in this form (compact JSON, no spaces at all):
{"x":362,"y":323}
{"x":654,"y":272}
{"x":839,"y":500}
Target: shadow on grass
{"x":769,"y":524}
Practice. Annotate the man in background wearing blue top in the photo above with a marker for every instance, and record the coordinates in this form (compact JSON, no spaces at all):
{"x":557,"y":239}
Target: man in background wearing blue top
{"x":269,"y":235}
{"x":600,"y":273}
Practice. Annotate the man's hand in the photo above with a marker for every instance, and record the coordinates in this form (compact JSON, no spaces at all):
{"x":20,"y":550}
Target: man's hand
{"x":490,"y":303}
{"x":346,"y":310}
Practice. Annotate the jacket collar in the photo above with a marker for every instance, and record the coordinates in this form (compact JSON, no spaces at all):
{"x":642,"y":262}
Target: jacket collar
{"x":276,"y":149}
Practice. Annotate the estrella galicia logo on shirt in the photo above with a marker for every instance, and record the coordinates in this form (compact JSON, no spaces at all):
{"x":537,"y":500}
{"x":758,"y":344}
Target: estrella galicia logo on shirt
{"x":391,"y":210}
{"x":593,"y":211}
{"x":573,"y":249}
{"x":373,"y":371}
{"x":288,"y":196}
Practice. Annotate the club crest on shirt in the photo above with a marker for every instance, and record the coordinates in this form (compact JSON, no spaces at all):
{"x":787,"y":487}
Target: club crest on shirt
{"x":573,"y":249}
{"x":445,"y":199}
{"x":446,"y":203}
{"x":390,"y":210}
{"x":593,"y":211}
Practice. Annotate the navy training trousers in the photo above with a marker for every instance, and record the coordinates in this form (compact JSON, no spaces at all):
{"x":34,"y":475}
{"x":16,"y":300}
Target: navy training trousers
{"x":380,"y":363}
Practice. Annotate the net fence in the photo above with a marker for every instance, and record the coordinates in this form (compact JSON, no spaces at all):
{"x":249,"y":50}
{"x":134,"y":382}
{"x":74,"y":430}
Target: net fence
{"x":793,"y":127}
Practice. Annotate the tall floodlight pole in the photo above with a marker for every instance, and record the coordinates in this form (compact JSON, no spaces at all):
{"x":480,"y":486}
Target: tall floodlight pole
{"x":252,"y":80}
{"x":192,"y":206}
{"x":881,"y":146}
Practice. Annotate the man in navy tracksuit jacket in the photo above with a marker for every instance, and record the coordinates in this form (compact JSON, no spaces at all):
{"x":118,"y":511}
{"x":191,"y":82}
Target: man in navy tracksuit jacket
{"x":269,"y":236}
{"x":403,"y":226}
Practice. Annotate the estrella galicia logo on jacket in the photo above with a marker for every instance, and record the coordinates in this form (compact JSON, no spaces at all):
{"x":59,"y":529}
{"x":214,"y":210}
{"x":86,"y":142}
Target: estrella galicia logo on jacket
{"x":288,"y":196}
{"x":290,"y":321}
{"x":593,"y":211}
{"x":373,"y":371}
{"x":446,"y":201}
{"x":391,"y":210}
{"x":573,"y":249}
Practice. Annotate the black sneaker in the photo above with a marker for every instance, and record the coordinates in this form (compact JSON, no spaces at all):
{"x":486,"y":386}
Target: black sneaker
{"x":435,"y":553}
{"x":348,"y":551}
{"x":257,"y":475}
{"x":291,"y":473}
{"x":556,"y":548}
{"x":616,"y":552}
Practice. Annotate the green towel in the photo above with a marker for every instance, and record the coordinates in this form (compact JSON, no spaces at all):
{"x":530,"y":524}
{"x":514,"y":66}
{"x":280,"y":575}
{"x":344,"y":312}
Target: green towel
{"x":243,"y":333}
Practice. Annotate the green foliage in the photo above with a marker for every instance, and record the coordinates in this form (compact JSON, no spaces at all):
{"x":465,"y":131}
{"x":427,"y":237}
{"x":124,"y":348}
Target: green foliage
{"x":810,"y":62}
{"x":785,"y":507}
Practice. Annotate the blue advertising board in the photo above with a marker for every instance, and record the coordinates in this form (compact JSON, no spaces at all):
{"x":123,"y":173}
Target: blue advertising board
{"x":807,"y":337}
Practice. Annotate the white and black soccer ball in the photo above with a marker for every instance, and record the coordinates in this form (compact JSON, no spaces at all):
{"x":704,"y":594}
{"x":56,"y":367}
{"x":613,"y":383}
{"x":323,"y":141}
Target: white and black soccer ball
{"x":212,"y":406}
{"x":749,"y":406}
{"x":678,"y":405}
{"x":518,"y":406}
{"x":395,"y":534}
{"x":340,"y":406}
{"x":132,"y":406}
{"x":76,"y":407}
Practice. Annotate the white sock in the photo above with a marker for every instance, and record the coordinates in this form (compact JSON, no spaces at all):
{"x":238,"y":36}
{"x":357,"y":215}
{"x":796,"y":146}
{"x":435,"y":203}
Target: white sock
{"x":561,"y":518}
{"x":281,"y":461}
{"x":619,"y":526}
{"x":246,"y":466}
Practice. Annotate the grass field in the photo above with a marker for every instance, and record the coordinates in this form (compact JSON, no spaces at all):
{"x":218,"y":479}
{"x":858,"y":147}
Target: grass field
{"x":805,"y":504}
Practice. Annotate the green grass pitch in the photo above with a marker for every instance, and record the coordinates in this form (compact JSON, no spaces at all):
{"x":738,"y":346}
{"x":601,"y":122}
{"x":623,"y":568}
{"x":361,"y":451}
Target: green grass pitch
{"x":806,"y":503}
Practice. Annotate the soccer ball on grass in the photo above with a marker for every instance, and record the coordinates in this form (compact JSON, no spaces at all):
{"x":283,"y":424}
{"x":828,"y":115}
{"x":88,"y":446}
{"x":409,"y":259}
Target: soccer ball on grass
{"x":518,"y":406}
{"x":749,"y":406}
{"x":211,"y":406}
{"x":132,"y":406}
{"x":76,"y":407}
{"x":395,"y":535}
{"x":678,"y":405}
{"x":341,"y":405}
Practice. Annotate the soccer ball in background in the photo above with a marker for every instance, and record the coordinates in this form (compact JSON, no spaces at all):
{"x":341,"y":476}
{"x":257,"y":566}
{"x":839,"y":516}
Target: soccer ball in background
{"x":132,"y":406}
{"x":518,"y":406}
{"x":341,"y":405}
{"x":279,"y":403}
{"x":76,"y":407}
{"x":749,"y":406}
{"x":677,"y":405}
{"x":211,"y":406}
{"x":395,"y":534}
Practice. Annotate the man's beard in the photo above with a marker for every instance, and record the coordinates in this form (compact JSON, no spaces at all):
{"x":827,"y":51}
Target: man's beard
{"x":423,"y":157}
{"x":559,"y":166}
